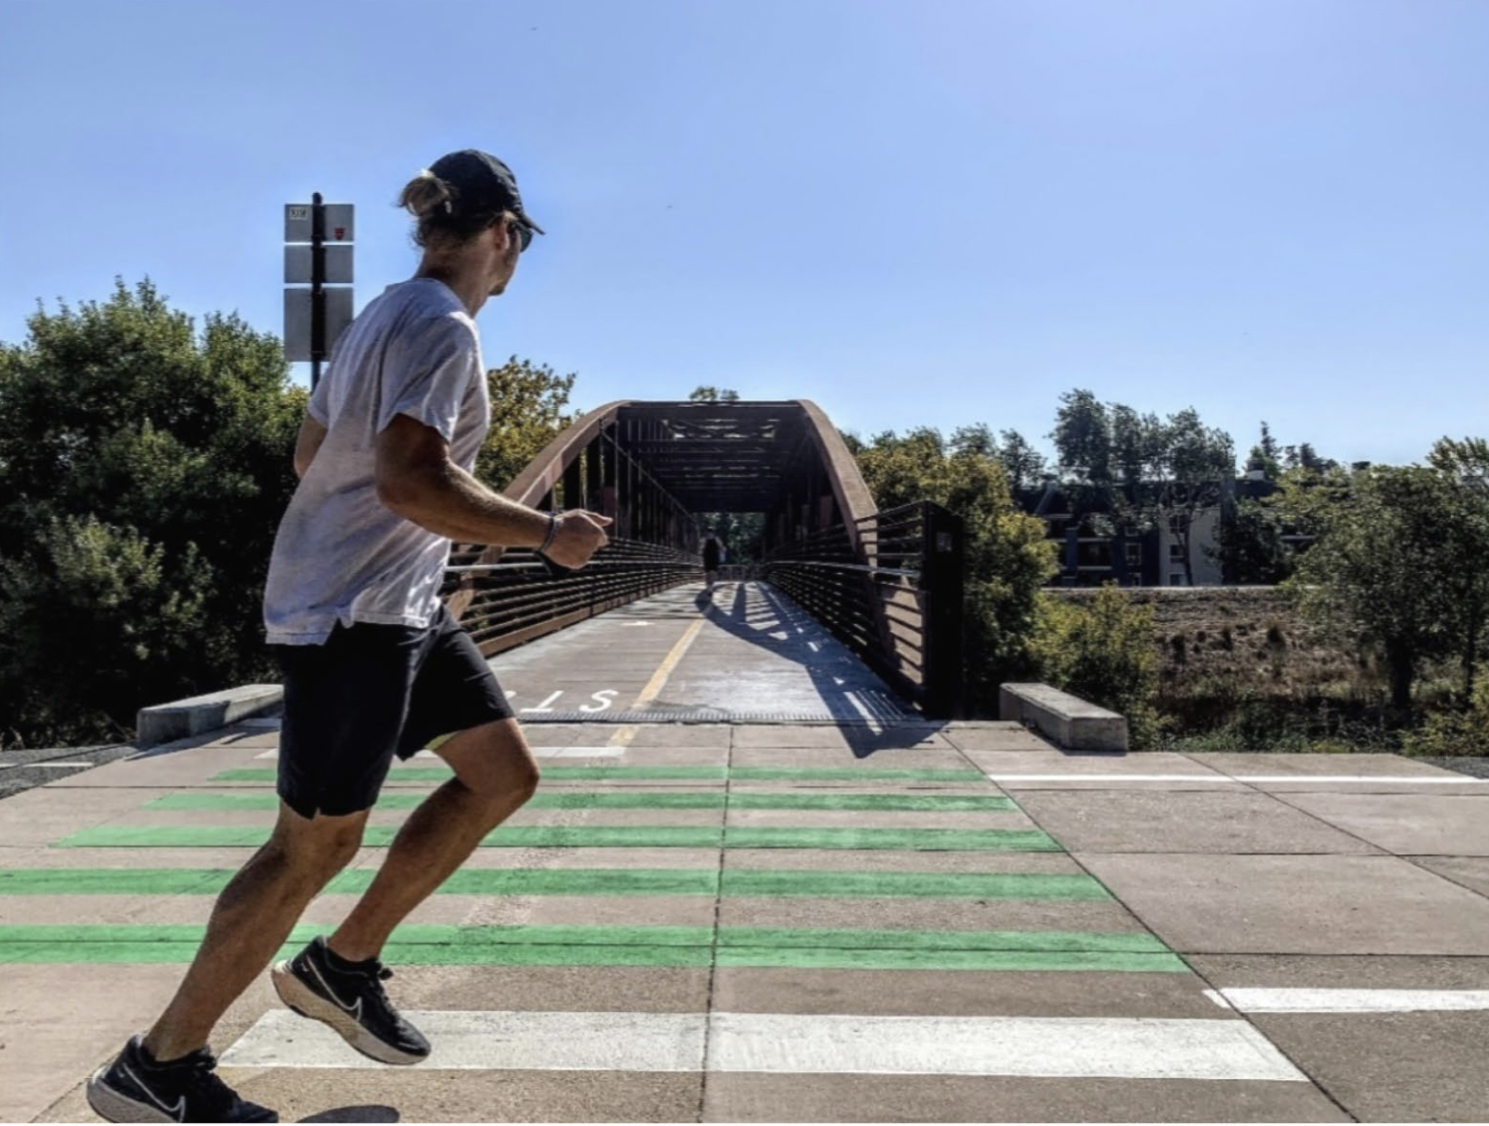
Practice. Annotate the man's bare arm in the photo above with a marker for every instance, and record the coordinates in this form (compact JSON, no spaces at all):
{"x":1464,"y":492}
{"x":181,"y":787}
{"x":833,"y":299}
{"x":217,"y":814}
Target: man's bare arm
{"x":416,"y":479}
{"x":312,"y":434}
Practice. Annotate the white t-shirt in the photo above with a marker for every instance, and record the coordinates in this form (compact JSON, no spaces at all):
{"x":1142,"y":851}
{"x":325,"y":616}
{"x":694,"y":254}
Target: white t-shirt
{"x":340,"y":554}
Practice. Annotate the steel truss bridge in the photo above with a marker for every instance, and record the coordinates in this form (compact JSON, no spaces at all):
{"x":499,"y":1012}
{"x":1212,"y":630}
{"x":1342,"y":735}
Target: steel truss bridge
{"x":886,"y":584}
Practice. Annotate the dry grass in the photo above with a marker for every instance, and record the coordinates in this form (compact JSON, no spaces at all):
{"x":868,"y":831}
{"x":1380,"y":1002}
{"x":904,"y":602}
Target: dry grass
{"x":1240,"y":670}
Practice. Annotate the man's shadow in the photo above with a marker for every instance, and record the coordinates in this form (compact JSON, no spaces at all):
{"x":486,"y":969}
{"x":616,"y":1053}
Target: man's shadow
{"x":835,"y":670}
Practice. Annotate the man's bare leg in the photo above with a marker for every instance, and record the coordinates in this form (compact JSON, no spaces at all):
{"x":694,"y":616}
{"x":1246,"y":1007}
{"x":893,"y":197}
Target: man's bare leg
{"x":251,"y":921}
{"x":495,"y":774}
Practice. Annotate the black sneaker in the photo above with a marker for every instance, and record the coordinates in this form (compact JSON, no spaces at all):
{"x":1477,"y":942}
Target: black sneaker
{"x":349,"y":997}
{"x":134,"y":1088}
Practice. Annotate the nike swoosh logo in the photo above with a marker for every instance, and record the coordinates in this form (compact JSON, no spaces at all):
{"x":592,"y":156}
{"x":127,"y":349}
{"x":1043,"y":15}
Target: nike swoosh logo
{"x":179,"y":1110}
{"x":355,"y":1010}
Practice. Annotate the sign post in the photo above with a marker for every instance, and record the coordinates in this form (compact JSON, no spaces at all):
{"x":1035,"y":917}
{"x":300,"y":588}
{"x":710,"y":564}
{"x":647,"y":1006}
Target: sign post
{"x":315,"y":317}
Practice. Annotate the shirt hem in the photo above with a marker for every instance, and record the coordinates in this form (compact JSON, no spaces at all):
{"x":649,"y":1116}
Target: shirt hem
{"x":321,"y":636}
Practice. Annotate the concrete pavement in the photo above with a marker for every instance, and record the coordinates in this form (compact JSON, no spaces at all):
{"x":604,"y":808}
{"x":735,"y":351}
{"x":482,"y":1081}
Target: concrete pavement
{"x":747,"y":921}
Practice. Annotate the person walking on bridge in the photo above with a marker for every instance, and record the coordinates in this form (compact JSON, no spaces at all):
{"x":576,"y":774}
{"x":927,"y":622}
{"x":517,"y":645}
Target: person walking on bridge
{"x":373,"y":665}
{"x":713,"y":557}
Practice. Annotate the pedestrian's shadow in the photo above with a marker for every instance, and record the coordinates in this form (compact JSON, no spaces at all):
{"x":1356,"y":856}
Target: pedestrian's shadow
{"x":375,"y":1112}
{"x":763,"y":616}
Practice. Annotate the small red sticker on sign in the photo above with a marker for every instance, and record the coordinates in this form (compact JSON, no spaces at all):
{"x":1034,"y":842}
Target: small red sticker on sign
{"x":340,"y":233}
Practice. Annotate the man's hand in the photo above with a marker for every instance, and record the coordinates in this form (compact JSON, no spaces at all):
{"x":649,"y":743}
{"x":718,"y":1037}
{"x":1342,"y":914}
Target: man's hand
{"x":580,"y":535}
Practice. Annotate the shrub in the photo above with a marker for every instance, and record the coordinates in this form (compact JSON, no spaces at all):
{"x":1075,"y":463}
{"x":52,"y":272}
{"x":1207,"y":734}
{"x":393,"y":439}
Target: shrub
{"x":1461,"y":731}
{"x":1102,"y":651}
{"x":107,"y":620}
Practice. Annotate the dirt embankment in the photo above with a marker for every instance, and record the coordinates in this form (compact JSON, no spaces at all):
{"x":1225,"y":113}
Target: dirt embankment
{"x":1228,"y":643}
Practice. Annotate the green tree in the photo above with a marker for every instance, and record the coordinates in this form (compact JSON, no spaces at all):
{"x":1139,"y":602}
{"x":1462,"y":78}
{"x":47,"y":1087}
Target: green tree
{"x":1083,"y":449}
{"x":529,"y":408}
{"x":1304,"y":456}
{"x":1397,"y":565}
{"x":1143,"y":471}
{"x":1024,"y":465}
{"x":741,"y":533}
{"x":1250,"y":547}
{"x":1189,"y":465}
{"x":707,"y":394}
{"x":1465,"y":527}
{"x":138,"y":457}
{"x":1008,"y":556}
{"x":1266,"y":456}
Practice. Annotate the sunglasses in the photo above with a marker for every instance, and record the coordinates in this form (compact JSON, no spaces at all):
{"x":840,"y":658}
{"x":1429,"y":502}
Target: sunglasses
{"x":524,"y":235}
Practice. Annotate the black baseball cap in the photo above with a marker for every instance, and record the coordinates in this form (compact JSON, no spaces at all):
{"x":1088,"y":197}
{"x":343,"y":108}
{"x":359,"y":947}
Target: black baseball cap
{"x":482,"y":183}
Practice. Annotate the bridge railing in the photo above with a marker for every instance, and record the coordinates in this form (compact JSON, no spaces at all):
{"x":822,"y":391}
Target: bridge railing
{"x":521,"y":596}
{"x":895,"y":599}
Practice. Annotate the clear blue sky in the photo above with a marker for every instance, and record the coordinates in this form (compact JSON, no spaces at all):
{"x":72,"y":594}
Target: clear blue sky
{"x":912,"y":213}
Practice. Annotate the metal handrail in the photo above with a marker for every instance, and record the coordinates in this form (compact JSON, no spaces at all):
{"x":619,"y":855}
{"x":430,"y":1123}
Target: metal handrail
{"x":858,"y":598}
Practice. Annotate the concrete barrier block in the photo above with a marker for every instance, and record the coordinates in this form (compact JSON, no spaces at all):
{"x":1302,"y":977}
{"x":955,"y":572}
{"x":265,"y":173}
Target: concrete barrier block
{"x":1069,"y":721}
{"x":164,"y":722}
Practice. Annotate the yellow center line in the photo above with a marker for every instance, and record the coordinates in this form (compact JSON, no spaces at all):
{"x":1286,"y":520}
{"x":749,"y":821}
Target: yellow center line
{"x":658,"y":681}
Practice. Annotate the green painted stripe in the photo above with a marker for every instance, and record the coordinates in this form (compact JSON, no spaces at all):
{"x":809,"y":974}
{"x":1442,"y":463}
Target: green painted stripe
{"x":706,"y":799}
{"x":640,"y":946}
{"x":587,"y":881}
{"x":557,"y":773}
{"x":904,"y":840}
{"x":436,"y":934}
{"x":466,"y":881}
{"x":917,"y":885}
{"x":866,"y":775}
{"x":599,"y":836}
{"x":985,"y":960}
{"x":696,"y":957}
{"x":448,"y":934}
{"x":1064,"y":942}
{"x":868,"y":803}
{"x":114,"y":881}
{"x":381,"y":836}
{"x":684,"y":957}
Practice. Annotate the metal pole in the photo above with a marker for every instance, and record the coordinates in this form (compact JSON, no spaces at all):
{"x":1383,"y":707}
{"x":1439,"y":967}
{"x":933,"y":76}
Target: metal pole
{"x":317,"y":294}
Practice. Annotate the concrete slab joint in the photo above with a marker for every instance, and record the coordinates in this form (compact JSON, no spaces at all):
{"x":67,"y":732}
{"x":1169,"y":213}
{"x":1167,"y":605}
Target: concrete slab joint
{"x":163,"y":723}
{"x":1070,"y":721}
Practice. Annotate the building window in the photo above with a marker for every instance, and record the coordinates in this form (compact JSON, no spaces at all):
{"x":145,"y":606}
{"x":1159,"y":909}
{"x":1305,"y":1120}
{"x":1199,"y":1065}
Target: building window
{"x":1176,"y":579}
{"x":1134,"y":555}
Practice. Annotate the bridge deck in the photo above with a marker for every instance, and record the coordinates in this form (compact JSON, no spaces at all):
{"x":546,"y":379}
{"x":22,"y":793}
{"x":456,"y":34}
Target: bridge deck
{"x":746,"y":921}
{"x":741,"y":652}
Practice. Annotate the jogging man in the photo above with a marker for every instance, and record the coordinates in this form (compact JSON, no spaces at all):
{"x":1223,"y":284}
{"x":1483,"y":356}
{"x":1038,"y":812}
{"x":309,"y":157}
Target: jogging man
{"x":373,"y":666}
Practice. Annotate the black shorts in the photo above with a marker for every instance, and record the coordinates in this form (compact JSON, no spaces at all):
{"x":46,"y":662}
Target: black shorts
{"x":369,"y":693}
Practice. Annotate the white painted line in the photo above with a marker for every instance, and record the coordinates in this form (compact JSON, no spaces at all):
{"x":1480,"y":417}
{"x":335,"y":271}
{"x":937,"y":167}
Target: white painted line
{"x":1354,"y":1000}
{"x":1302,"y":779}
{"x":1056,"y":1047}
{"x":868,"y":716}
{"x":503,"y":1041}
{"x":1053,"y":1047}
{"x":1393,"y":779}
{"x":1073,"y":777}
{"x":579,"y":752}
{"x":42,"y":765}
